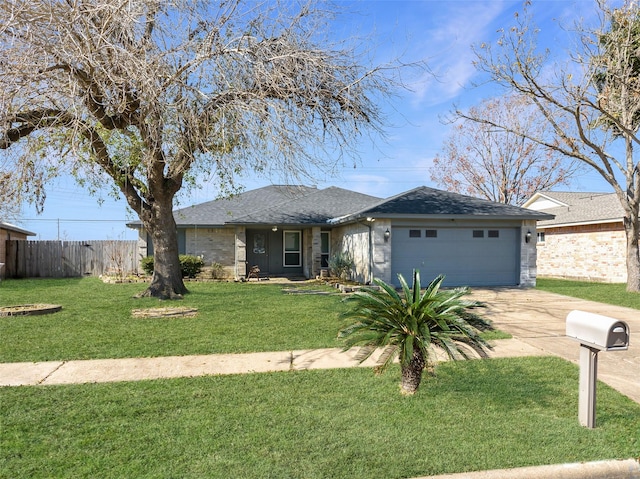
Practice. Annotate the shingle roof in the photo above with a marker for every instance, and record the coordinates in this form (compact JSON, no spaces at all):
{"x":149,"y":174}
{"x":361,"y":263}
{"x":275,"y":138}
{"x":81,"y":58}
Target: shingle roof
{"x":275,"y":204}
{"x":429,"y":202}
{"x":583,"y":208}
{"x":316,"y":207}
{"x":301,"y":205}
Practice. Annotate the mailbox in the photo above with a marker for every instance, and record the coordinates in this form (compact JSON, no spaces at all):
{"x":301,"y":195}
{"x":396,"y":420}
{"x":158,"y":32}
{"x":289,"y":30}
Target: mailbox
{"x":597,"y":331}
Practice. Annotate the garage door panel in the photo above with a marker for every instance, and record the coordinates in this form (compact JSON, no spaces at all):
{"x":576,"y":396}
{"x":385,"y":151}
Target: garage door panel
{"x":456,"y":253}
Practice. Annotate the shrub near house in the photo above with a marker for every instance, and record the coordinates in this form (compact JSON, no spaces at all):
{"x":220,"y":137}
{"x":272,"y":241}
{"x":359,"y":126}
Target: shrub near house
{"x":190,"y":265}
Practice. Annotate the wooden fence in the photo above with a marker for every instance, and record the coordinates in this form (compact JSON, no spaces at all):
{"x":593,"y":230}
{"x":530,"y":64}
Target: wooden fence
{"x":70,"y":259}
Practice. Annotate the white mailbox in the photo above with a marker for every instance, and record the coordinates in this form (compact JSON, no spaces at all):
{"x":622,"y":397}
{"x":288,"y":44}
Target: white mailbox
{"x":597,"y":331}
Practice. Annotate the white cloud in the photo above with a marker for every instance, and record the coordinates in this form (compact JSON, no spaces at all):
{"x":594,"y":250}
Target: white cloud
{"x":448,"y":38}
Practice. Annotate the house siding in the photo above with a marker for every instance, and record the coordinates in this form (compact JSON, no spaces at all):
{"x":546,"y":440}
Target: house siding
{"x":240,"y":253}
{"x":587,"y":252}
{"x":528,"y":255}
{"x":213,"y":245}
{"x":371,"y":255}
{"x":6,"y":235}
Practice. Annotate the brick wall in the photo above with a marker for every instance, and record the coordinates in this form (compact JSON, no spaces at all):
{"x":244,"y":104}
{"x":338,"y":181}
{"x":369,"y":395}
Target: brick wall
{"x":215,"y":245}
{"x":588,"y":252}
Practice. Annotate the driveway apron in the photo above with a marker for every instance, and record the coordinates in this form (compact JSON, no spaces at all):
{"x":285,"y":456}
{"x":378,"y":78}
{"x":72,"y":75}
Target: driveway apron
{"x":538,"y":318}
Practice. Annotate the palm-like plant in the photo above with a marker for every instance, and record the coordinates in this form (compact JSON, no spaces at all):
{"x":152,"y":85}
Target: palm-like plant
{"x":407,"y":324}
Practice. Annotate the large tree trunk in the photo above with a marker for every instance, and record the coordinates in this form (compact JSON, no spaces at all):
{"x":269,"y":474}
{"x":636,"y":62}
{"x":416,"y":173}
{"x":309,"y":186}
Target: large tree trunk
{"x":632,"y":230}
{"x":166,"y":282}
{"x":412,"y":373}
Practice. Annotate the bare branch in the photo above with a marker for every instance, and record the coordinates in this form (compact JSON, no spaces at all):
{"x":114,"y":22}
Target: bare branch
{"x":591,"y":102}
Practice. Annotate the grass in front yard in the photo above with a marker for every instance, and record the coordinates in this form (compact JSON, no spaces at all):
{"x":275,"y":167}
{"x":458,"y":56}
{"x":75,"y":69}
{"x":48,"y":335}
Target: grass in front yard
{"x":608,"y":293}
{"x":349,"y":423}
{"x":96,"y":321}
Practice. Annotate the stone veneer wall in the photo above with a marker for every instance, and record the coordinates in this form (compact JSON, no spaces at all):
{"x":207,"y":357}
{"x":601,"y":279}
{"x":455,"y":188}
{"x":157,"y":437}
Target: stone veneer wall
{"x":529,"y":268}
{"x":588,"y":252}
{"x":372,"y":260}
{"x":353,"y":239}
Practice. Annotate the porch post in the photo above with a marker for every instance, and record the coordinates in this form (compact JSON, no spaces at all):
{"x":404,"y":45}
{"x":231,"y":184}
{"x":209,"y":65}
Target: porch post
{"x":316,"y":251}
{"x":240,"y":266}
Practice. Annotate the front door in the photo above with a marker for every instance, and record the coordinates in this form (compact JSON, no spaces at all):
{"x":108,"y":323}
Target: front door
{"x":275,"y":251}
{"x":258,"y":250}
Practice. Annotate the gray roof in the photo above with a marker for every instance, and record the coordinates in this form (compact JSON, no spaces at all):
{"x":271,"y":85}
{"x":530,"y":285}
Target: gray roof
{"x":302,"y":205}
{"x":275,"y":204}
{"x":16,"y":229}
{"x":431,"y":203}
{"x":316,"y":207}
{"x":582,"y":208}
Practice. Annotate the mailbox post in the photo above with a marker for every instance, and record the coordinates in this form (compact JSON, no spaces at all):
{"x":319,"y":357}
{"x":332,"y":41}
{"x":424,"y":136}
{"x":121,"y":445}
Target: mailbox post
{"x":595,"y":333}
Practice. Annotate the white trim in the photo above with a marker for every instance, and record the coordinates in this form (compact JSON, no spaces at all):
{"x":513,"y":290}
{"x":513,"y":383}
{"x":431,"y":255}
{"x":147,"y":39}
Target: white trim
{"x":580,"y":223}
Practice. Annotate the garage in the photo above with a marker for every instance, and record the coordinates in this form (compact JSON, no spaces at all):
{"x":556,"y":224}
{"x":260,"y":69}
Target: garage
{"x":469,"y":256}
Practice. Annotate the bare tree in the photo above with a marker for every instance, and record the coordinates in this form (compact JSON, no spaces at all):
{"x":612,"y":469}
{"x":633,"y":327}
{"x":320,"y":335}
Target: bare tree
{"x":20,"y":182}
{"x":591,"y":101}
{"x":499,"y":165}
{"x":156,"y":94}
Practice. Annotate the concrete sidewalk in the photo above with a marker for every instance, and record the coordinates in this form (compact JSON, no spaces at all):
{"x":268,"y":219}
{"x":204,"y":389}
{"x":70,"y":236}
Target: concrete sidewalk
{"x":536,"y":320}
{"x":135,"y":369}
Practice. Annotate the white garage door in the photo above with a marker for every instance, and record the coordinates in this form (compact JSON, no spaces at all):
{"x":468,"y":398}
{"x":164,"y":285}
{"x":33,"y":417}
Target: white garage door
{"x":467,"y":256}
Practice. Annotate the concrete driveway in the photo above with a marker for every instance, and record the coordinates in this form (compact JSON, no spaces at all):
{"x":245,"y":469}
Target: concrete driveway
{"x":538,"y":318}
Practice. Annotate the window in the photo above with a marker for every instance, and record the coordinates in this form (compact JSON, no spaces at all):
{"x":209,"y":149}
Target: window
{"x":415,"y":233}
{"x":431,"y":233}
{"x":324,"y":248}
{"x":478,"y":233}
{"x":292,"y":249}
{"x":540,"y":236}
{"x":259,"y":244}
{"x":493,"y":234}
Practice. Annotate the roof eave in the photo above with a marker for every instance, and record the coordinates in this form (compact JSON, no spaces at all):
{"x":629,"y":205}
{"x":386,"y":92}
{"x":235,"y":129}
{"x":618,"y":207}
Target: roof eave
{"x":581,"y":223}
{"x":16,"y":229}
{"x":356,"y":218}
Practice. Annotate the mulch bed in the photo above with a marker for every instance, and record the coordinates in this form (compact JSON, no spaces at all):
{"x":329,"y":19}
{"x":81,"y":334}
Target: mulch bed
{"x":179,"y":312}
{"x":29,"y":309}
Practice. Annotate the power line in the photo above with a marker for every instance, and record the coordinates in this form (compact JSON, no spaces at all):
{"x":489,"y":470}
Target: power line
{"x":54,"y":220}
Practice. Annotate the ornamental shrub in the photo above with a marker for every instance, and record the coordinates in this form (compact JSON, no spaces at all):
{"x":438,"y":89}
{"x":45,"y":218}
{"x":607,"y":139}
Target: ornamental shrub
{"x":147,"y":265}
{"x":190,"y":265}
{"x":341,"y":264}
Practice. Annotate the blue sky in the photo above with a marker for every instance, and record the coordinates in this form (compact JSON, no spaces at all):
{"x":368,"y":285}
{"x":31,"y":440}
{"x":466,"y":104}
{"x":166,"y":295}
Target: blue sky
{"x":439,"y":32}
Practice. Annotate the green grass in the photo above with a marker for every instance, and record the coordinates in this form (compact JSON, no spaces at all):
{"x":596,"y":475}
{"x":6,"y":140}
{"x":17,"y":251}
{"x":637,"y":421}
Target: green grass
{"x":96,"y":321}
{"x":608,"y":293}
{"x":349,"y":423}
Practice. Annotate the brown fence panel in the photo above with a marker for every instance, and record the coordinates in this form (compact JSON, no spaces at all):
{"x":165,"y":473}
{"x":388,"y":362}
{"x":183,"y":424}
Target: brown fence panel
{"x":70,"y":259}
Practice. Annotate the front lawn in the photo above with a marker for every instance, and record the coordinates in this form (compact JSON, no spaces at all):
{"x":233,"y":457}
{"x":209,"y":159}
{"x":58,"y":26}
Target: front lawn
{"x":348,"y":423}
{"x":96,"y":322}
{"x":608,"y":293}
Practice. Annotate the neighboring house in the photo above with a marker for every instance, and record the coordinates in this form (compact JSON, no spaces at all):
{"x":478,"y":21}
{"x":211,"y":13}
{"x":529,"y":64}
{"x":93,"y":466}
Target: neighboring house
{"x":586,"y":239}
{"x":294,"y":231}
{"x":9,"y":232}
